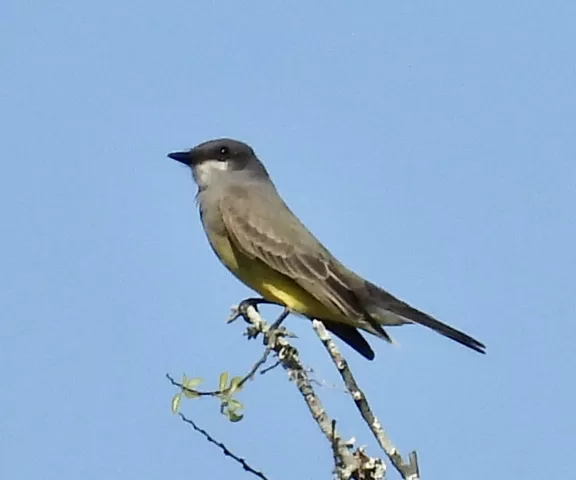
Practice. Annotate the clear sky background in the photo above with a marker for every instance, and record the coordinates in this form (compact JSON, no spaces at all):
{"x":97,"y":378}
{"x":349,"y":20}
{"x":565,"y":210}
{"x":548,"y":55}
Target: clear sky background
{"x":430,"y":145}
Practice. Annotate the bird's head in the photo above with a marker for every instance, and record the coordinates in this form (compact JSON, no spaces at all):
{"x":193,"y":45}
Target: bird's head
{"x":216,"y":160}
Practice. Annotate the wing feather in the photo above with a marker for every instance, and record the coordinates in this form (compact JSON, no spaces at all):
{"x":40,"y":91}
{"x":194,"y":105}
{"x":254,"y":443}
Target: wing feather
{"x":286,"y":246}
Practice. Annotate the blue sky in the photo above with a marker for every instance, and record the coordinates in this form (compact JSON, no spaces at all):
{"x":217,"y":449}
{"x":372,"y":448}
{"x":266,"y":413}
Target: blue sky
{"x":430,"y":145}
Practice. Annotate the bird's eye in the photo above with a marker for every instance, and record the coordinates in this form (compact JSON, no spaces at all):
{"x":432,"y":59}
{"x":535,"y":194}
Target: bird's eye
{"x":224,"y":151}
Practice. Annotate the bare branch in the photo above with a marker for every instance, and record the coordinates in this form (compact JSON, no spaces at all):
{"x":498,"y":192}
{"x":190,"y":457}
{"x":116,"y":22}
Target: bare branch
{"x":408,"y":471}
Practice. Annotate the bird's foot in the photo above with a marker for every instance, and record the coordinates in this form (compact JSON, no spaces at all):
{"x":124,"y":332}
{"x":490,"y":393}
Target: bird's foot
{"x":242,"y":309}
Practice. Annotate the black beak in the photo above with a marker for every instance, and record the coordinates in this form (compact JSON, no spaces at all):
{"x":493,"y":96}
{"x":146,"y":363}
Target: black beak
{"x":182,"y":157}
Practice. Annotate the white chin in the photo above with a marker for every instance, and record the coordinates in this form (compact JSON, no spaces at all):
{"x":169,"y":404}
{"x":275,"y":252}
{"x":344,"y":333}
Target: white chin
{"x":205,"y":172}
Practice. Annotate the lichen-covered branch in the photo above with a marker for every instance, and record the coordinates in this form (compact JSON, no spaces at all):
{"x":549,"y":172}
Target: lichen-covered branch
{"x":349,"y":464}
{"x":408,"y":470}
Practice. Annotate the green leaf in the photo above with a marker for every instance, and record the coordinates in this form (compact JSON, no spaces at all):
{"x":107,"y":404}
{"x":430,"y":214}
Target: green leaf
{"x":188,"y":385}
{"x":176,"y":402}
{"x":191,"y":383}
{"x":223,"y":381}
{"x":235,"y":384}
{"x":234,"y":404}
{"x":235,"y":417}
{"x":190,"y":394}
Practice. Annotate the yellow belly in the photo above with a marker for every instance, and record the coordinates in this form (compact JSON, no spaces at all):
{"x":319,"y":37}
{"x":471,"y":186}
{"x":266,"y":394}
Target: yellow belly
{"x":269,"y":283}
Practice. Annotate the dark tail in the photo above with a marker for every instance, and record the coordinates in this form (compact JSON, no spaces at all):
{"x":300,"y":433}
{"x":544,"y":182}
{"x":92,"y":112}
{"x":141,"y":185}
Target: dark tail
{"x":446,"y":330}
{"x":380,"y":304}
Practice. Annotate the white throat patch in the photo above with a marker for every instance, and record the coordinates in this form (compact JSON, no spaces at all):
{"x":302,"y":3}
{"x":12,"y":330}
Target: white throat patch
{"x":207,"y":171}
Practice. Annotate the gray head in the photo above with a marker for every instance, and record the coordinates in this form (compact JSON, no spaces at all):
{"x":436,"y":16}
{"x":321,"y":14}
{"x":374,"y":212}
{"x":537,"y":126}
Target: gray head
{"x":215,"y":160}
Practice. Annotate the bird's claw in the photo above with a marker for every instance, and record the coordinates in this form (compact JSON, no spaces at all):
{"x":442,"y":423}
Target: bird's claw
{"x":242,"y":309}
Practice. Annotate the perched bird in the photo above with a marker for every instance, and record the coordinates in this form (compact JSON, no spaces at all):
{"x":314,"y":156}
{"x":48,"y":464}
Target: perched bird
{"x":258,"y":238}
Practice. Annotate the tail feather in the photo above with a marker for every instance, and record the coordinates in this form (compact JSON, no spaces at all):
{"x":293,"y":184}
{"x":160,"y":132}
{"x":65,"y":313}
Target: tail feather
{"x":380,"y":304}
{"x":446,"y":330}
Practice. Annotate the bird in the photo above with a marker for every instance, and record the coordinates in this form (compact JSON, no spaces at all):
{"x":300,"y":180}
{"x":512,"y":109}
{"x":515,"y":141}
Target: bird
{"x":264,"y":244}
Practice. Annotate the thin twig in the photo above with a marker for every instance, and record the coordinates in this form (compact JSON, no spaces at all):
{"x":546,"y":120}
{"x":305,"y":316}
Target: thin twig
{"x":224,"y":449}
{"x":408,"y":471}
{"x":215,"y":393}
{"x":270,"y":367}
